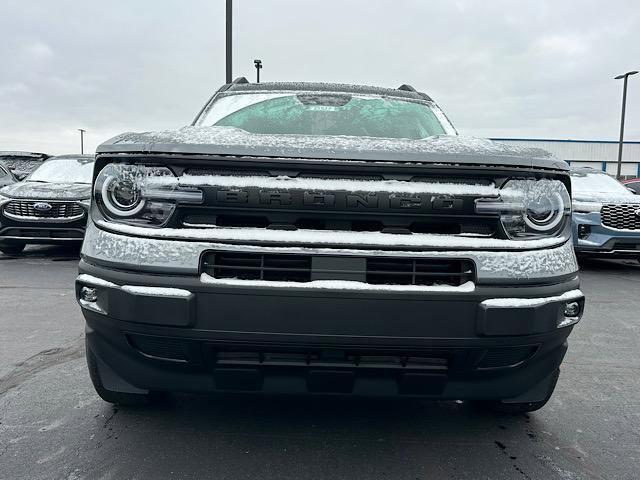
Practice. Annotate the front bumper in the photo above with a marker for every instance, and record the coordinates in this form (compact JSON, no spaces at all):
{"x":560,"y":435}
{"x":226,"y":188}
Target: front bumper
{"x":603,"y":241}
{"x":42,"y":231}
{"x":186,"y":335}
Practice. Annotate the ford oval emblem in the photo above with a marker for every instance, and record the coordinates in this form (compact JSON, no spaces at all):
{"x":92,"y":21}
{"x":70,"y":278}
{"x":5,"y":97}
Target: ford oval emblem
{"x":42,"y":206}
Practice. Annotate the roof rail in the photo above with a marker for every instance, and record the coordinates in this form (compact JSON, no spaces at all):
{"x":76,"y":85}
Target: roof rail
{"x":406,"y":87}
{"x":240,"y":80}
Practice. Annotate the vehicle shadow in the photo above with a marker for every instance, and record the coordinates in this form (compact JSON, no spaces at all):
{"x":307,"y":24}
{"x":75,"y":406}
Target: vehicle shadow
{"x":338,"y":425}
{"x":54,"y":253}
{"x":603,"y":264}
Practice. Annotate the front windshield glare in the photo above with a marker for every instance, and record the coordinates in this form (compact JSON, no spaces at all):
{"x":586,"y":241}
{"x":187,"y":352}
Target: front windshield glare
{"x":326,"y":114}
{"x":594,"y":182}
{"x":73,"y":170}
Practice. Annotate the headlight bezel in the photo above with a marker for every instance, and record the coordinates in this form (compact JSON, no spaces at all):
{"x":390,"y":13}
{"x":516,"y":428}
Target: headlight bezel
{"x":520,"y":200}
{"x":155,"y":190}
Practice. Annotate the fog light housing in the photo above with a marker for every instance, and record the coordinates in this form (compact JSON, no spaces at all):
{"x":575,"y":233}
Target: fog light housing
{"x":89,"y":294}
{"x":572,"y":311}
{"x":584,"y":231}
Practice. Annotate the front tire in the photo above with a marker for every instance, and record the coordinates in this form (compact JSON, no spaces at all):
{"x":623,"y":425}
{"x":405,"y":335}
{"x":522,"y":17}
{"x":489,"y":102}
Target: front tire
{"x":119,"y":398}
{"x":12,"y":249}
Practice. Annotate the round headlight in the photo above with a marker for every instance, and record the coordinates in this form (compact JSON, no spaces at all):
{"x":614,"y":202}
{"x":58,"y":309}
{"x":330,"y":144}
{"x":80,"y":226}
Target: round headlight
{"x":122,"y":196}
{"x":544,"y":213}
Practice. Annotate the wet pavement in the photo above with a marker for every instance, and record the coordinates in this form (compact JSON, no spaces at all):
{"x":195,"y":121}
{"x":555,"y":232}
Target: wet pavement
{"x":53,"y":425}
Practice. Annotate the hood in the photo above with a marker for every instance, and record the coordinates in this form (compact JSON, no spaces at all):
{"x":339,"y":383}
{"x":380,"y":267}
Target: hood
{"x":605,"y":197}
{"x":47,"y":191}
{"x":236,"y":142}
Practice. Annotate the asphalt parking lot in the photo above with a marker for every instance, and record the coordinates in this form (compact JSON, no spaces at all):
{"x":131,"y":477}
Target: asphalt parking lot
{"x":53,"y":425}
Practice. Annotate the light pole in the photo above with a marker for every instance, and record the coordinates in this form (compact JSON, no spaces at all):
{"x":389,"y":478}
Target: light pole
{"x":229,"y":39}
{"x":624,"y":76}
{"x":258,"y":63}
{"x":81,"y":140}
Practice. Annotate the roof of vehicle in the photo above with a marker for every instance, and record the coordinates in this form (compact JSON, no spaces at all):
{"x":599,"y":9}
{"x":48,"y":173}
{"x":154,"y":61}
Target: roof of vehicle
{"x":405,"y":91}
{"x":34,"y":155}
{"x":631,"y":180}
{"x":585,"y":170}
{"x":72,"y":157}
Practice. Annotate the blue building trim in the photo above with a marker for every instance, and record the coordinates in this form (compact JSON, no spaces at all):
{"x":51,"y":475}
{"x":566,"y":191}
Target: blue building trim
{"x":638,"y":174}
{"x":563,"y":141}
{"x":604,"y":166}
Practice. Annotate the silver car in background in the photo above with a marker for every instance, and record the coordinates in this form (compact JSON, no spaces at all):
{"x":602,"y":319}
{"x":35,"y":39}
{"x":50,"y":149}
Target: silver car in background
{"x":606,"y":216}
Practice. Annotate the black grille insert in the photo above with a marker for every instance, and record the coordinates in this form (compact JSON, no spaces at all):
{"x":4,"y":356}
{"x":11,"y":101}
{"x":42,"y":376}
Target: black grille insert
{"x":372,"y":270}
{"x":257,"y":266}
{"x":622,"y":217}
{"x":507,"y":356}
{"x":56,"y":210}
{"x":411,"y":271}
{"x":159,"y":347}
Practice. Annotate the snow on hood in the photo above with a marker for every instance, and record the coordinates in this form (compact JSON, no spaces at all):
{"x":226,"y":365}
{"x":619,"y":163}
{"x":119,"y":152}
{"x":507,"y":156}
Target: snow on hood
{"x":232,"y":141}
{"x":47,"y":191}
{"x":605,"y":197}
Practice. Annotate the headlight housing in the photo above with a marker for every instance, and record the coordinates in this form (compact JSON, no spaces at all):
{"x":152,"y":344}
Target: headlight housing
{"x":530,"y":209}
{"x":139,"y":194}
{"x":3,"y":198}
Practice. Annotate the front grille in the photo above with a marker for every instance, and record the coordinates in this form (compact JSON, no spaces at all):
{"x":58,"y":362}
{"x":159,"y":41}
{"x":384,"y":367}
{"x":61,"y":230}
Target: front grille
{"x":159,"y":347}
{"x":447,"y":227}
{"x":411,"y":271}
{"x":438,"y":360}
{"x":506,"y":356}
{"x":255,"y":266}
{"x":622,"y":217}
{"x":305,"y":268}
{"x":317,"y":200}
{"x":58,"y":210}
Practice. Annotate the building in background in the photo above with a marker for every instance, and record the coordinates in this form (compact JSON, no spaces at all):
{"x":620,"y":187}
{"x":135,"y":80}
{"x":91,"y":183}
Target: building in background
{"x":600,"y":154}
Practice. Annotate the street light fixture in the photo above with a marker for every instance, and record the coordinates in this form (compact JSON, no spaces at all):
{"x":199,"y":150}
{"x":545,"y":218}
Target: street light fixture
{"x":81,"y":140}
{"x":624,"y":76}
{"x":258,"y":63}
{"x":229,"y":39}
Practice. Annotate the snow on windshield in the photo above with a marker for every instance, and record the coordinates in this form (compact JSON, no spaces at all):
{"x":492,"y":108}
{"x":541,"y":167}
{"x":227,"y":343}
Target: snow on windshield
{"x":327,"y":113}
{"x":68,"y":170}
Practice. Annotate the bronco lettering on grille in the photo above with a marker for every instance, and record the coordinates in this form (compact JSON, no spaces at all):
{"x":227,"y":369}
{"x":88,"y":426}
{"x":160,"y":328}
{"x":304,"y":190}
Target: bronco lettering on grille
{"x":347,"y":200}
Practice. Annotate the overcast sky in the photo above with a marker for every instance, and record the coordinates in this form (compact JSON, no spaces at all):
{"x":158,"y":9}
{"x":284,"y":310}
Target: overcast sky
{"x":539,"y":69}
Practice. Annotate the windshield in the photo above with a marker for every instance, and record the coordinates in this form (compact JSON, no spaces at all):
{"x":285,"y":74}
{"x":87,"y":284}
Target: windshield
{"x":67,"y":170}
{"x":595,"y":182}
{"x":327,"y":114}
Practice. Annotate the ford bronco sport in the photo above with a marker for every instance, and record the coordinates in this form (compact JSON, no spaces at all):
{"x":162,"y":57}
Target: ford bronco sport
{"x":327,"y":239}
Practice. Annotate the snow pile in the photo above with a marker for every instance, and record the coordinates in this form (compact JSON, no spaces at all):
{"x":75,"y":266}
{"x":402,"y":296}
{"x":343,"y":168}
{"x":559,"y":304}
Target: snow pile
{"x":338,"y":285}
{"x":234,"y":137}
{"x":156,"y":291}
{"x":532,"y":302}
{"x":616,"y":198}
{"x":329,"y":237}
{"x":321,"y":184}
{"x":95,"y":281}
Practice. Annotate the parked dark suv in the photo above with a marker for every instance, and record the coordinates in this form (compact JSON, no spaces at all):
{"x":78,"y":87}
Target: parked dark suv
{"x":329,"y":239}
{"x":49,"y":207}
